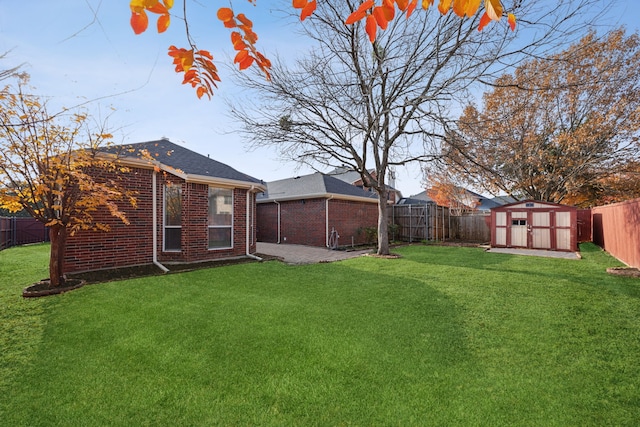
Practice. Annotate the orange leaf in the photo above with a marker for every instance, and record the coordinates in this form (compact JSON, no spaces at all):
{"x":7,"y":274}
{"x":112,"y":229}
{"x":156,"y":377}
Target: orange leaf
{"x":389,"y":9}
{"x":444,"y":6}
{"x":402,"y":4}
{"x":308,"y":10}
{"x":493,"y":9}
{"x":201,"y":91}
{"x":240,"y":56}
{"x":512,"y":21}
{"x":460,"y":7}
{"x":355,"y":17}
{"x":412,"y":7}
{"x":245,"y":63}
{"x":139,"y":22}
{"x":163,"y":23}
{"x":426,"y":4}
{"x":472,"y":7}
{"x":225,"y":14}
{"x":381,"y":19}
{"x":484,"y":21}
{"x":168,"y":3}
{"x":299,"y":4}
{"x":158,"y":8}
{"x":245,"y":21}
{"x":365,"y":6}
{"x":371,"y":27}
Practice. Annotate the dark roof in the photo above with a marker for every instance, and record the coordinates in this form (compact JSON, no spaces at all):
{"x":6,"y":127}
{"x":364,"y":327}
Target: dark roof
{"x":184,"y":160}
{"x":314,"y":185}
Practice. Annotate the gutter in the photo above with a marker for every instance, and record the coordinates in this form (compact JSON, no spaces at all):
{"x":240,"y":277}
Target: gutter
{"x":248,"y":226}
{"x":326,"y":213}
{"x":154,"y":204}
{"x":278,"y":203}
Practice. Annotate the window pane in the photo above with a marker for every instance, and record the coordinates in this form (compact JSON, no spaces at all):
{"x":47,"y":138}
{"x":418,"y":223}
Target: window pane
{"x":172,"y":205}
{"x":172,"y":237}
{"x":219,"y":237}
{"x":220,"y":207}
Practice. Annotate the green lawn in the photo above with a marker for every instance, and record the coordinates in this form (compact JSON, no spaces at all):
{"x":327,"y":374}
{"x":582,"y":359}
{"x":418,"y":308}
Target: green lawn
{"x":442,"y":336}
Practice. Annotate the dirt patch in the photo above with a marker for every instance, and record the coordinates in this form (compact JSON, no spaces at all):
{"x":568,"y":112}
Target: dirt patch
{"x":624,"y":271}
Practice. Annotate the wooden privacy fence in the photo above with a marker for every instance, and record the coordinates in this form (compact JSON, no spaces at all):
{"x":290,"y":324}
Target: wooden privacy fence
{"x":473,"y":228}
{"x":415,"y":223}
{"x":21,"y":231}
{"x":616,"y":229}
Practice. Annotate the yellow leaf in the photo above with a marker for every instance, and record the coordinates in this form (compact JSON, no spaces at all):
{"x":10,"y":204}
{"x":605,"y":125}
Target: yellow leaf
{"x":493,"y":9}
{"x":512,"y":21}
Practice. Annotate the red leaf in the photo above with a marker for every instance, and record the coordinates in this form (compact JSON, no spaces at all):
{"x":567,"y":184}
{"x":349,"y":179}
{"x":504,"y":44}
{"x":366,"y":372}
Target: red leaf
{"x":484,"y":21}
{"x":139,"y":22}
{"x":299,"y":4}
{"x":381,"y":18}
{"x":225,"y":14}
{"x":412,"y":7}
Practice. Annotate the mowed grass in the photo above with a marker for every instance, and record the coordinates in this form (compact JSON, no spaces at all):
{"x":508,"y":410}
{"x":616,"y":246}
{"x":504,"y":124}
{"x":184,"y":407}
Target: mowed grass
{"x":442,"y":336}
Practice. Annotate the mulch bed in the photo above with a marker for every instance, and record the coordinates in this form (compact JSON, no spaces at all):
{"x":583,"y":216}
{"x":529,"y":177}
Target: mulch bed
{"x":77,"y":280}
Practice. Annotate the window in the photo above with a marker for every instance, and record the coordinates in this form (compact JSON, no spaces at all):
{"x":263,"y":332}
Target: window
{"x":220,"y":218}
{"x":172,"y":217}
{"x":518,"y":222}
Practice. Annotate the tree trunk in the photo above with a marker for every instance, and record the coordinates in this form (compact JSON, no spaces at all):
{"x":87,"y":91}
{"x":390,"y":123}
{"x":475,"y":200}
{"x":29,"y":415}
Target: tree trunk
{"x":58,"y":237}
{"x":383,"y":223}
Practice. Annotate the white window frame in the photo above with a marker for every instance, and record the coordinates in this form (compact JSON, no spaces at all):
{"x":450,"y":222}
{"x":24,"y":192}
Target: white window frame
{"x":209,"y":226}
{"x":165,"y":227}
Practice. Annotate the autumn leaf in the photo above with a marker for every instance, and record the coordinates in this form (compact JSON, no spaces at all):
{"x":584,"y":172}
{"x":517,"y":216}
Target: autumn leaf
{"x":139,"y":22}
{"x":163,"y":23}
{"x":484,"y":20}
{"x":493,"y":9}
{"x":371,"y":27}
{"x":444,"y":6}
{"x":308,"y":10}
{"x":512,"y":21}
{"x":225,"y":14}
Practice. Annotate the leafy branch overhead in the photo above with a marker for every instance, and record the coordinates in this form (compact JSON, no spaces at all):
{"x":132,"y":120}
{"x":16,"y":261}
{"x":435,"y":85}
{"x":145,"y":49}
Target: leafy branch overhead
{"x":201,"y":73}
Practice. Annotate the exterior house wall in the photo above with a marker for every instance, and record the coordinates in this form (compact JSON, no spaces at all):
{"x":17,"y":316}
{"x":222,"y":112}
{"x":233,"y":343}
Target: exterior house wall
{"x":616,"y":229}
{"x":304,"y":222}
{"x":350,"y":218}
{"x":131,"y":245}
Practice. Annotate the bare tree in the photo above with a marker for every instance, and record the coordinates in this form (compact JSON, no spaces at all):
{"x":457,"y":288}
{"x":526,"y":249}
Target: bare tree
{"x":372,"y":106}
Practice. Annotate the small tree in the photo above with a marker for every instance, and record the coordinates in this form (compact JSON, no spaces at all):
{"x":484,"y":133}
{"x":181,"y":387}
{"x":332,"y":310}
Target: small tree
{"x":45,"y":164}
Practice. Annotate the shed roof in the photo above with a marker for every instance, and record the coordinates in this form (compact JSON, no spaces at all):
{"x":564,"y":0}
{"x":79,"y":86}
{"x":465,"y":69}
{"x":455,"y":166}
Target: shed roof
{"x":532,"y":204}
{"x":315,"y":185}
{"x":183,"y":161}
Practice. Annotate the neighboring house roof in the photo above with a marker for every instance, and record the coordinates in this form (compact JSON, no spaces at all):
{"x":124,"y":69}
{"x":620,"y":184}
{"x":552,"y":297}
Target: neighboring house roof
{"x":315,"y":185}
{"x":417,"y":199}
{"x":345,"y":174}
{"x":503,"y":200}
{"x":184,"y":162}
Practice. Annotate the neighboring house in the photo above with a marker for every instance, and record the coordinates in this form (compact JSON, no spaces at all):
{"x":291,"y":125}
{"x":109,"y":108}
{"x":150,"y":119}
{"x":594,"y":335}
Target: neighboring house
{"x":315,"y":209}
{"x":352,"y":177}
{"x":190,"y":208}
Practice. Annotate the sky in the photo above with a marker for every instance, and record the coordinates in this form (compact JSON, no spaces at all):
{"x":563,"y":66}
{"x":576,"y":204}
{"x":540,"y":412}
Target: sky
{"x":84,"y":52}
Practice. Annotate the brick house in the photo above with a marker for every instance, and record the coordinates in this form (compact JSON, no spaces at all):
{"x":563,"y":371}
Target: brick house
{"x":313,"y":210}
{"x":352,"y":177}
{"x":190,"y":208}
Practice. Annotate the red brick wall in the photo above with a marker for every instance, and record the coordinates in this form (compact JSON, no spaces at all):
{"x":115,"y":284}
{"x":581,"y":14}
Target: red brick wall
{"x":130,"y":245}
{"x":349,"y":218}
{"x":305,"y":223}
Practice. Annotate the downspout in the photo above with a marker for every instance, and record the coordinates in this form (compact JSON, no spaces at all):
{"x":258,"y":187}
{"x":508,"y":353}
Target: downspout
{"x":278,"y":203}
{"x":154,"y":203}
{"x":248,"y":226}
{"x":326,"y":215}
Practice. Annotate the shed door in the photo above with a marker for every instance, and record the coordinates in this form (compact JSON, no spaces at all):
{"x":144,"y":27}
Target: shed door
{"x":519,"y":229}
{"x":563,"y":231}
{"x":541,"y":230}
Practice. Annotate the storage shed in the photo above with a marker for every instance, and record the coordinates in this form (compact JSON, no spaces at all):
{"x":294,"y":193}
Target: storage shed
{"x":535,"y":224}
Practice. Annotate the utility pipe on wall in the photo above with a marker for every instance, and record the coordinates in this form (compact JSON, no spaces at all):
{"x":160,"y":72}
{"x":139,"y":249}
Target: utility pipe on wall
{"x":326,"y":213}
{"x":248,"y":236}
